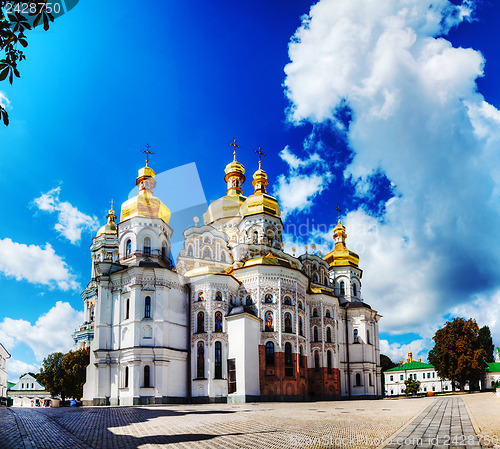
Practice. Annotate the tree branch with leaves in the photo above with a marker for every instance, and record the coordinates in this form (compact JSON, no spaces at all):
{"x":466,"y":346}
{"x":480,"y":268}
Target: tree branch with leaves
{"x":13,"y":25}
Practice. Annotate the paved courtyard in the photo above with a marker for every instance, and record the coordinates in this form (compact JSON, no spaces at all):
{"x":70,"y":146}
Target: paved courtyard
{"x":348,"y":424}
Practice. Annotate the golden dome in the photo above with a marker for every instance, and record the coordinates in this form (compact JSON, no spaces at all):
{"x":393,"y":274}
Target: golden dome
{"x":234,"y":167}
{"x":145,"y":204}
{"x":341,"y":256}
{"x":260,"y":203}
{"x":110,"y":227}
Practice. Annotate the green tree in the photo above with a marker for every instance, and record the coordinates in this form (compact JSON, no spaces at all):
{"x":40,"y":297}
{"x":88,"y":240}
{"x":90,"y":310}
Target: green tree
{"x":486,"y":342}
{"x":385,"y":363}
{"x":75,"y":364}
{"x":52,"y":374}
{"x":13,"y":26}
{"x":457,"y":354}
{"x":412,"y":386}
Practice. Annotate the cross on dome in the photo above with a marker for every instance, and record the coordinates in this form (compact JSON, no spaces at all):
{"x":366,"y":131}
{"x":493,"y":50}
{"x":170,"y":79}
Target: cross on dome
{"x":147,"y":153}
{"x":234,"y":145}
{"x":260,"y":153}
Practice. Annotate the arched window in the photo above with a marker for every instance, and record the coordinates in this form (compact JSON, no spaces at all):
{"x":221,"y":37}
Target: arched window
{"x":128,"y":248}
{"x":125,"y":383}
{"x":328,"y":334}
{"x":147,"y":382}
{"x":316,"y":360}
{"x":301,"y":329}
{"x":223,"y":257}
{"x":354,"y":289}
{"x":127,"y":308}
{"x":368,"y":337}
{"x":328,"y":315}
{"x":301,"y":357}
{"x":200,"y":322}
{"x":315,"y":334}
{"x":287,"y":301}
{"x":200,"y":360}
{"x":315,"y":312}
{"x":269,"y":353}
{"x":218,"y":322}
{"x":218,"y":296}
{"x":147,"y":246}
{"x":270,"y":238}
{"x":249,"y":300}
{"x":358,"y":380}
{"x":92,"y":313}
{"x":255,"y":237}
{"x":301,"y":306}
{"x":355,"y":332}
{"x":268,"y":298}
{"x":268,"y":321}
{"x":147,"y":307}
{"x":148,"y":332}
{"x":190,"y":251}
{"x":206,"y":253}
{"x":200,"y":296}
{"x":164,"y":255}
{"x":329,"y":362}
{"x":315,"y":278}
{"x":342,"y":288}
{"x":288,"y":323}
{"x":218,"y":360}
{"x":206,"y":239}
{"x":288,"y":359}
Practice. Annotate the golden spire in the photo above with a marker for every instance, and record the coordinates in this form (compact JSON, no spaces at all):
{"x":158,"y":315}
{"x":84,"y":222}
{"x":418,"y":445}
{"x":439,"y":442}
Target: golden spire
{"x":235,"y":174}
{"x":260,"y":181}
{"x":146,"y":179}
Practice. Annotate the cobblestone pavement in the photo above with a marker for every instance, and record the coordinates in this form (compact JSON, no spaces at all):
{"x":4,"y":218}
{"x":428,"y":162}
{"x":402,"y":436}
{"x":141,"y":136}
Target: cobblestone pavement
{"x":443,"y":424}
{"x":347,"y":424}
{"x":484,"y":408}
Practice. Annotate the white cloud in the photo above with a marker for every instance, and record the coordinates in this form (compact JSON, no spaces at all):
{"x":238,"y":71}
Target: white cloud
{"x":418,"y":118}
{"x":397,"y":352}
{"x":37,"y":265}
{"x":16,"y":368}
{"x":305,"y":180}
{"x":4,"y":101}
{"x":51,"y":332}
{"x":70,"y":221}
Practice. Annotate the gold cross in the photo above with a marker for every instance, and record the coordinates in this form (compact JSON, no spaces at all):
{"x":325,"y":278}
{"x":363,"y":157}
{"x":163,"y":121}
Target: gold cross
{"x":147,"y":153}
{"x":260,"y":153}
{"x":111,"y":203}
{"x":234,"y":145}
{"x":339,"y":210}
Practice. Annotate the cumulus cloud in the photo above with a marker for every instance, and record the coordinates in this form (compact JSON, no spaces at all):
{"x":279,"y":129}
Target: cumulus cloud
{"x":306,"y":178}
{"x":35,"y":264}
{"x":397,"y":352}
{"x":4,"y":101}
{"x":16,"y":368}
{"x":70,"y":221}
{"x":51,"y":332}
{"x":417,"y":117}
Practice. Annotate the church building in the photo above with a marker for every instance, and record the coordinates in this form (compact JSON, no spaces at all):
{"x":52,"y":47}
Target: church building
{"x":235,"y":319}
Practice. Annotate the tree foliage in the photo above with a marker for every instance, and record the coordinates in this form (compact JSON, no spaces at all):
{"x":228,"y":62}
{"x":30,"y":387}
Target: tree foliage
{"x":412,"y":386}
{"x":457,"y":354}
{"x":13,"y":25}
{"x":386,"y":363}
{"x":486,"y":342}
{"x":64,"y":374}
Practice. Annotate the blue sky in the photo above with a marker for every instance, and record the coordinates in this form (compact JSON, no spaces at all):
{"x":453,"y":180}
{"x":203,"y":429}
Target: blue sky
{"x":389,"y":110}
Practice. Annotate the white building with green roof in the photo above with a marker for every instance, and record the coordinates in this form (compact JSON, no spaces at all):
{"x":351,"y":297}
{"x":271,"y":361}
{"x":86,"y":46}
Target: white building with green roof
{"x":492,"y":371}
{"x":425,"y":373}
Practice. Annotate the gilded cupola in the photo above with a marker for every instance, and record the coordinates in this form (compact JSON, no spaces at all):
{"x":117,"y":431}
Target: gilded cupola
{"x":340,"y":255}
{"x":110,"y":227}
{"x":145,"y":204}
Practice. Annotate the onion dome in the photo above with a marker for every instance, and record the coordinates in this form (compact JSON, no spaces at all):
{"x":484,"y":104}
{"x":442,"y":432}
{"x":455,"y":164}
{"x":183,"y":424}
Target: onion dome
{"x":145,"y":204}
{"x":235,"y":177}
{"x":340,"y":255}
{"x":110,"y":227}
{"x":260,"y":201}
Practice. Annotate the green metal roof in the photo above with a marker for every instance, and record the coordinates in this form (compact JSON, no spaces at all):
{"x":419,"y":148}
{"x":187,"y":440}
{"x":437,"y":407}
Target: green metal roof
{"x":493,"y":367}
{"x":412,"y":365}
